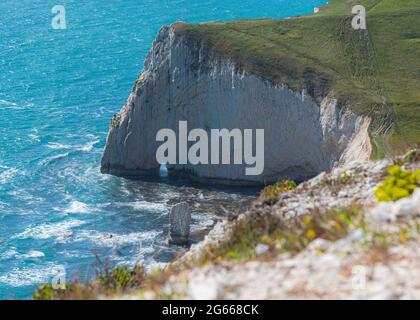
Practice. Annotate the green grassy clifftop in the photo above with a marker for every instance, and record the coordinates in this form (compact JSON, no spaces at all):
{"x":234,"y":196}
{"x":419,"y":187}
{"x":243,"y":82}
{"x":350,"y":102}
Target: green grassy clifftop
{"x":374,"y":71}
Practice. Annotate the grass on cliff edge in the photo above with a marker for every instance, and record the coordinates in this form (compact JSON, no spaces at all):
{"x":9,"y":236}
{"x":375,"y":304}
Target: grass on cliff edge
{"x":375,"y":72}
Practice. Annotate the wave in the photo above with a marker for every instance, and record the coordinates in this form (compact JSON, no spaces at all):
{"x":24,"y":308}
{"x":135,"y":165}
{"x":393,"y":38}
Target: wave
{"x":31,"y":255}
{"x":52,"y":159}
{"x":57,"y":146}
{"x":142,"y":206}
{"x":5,"y":103}
{"x":33,"y":137}
{"x":8,"y":175}
{"x":60,"y":230}
{"x":12,"y":253}
{"x":25,"y":196}
{"x":139,"y":257}
{"x":113,"y":240}
{"x":14,"y":106}
{"x":27,"y":276}
{"x":86,"y":148}
{"x":9,"y":254}
{"x":204,"y":221}
{"x":78,"y":207}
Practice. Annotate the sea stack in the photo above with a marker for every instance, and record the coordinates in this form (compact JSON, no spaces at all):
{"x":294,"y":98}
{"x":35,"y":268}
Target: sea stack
{"x":179,"y":224}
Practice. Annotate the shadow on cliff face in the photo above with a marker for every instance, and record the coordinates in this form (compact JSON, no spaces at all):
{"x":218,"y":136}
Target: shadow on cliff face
{"x":179,"y":182}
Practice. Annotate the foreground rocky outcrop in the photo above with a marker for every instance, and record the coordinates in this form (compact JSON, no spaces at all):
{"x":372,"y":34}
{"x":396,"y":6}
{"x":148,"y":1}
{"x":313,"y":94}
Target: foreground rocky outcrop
{"x":377,"y":259}
{"x":184,"y":80}
{"x":329,"y":238}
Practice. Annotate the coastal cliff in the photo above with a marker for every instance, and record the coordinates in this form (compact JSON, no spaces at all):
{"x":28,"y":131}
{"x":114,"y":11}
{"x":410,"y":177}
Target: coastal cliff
{"x":307,"y":131}
{"x":320,"y":91}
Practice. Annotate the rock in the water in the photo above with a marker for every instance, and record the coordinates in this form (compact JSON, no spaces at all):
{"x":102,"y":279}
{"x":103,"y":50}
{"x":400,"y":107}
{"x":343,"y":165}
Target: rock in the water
{"x":179,"y":224}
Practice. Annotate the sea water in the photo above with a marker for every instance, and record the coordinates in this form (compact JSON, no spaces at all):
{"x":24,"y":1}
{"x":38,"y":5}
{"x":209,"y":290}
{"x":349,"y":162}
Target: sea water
{"x":58,"y":92}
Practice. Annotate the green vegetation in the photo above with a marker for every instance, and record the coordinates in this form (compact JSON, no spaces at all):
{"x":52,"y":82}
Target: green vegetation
{"x":270,"y":193}
{"x":412,"y":156}
{"x":335,"y":183}
{"x":332,"y":226}
{"x":44,"y":292}
{"x":116,"y":120}
{"x":290,"y":236}
{"x":279,"y":236}
{"x":399,"y":184}
{"x":136,"y":85}
{"x":122,"y":278}
{"x":108,"y":282}
{"x":294,"y":235}
{"x":375,"y":72}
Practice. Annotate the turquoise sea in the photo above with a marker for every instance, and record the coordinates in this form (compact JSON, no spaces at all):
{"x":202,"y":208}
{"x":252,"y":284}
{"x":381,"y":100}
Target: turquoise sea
{"x":58,"y":92}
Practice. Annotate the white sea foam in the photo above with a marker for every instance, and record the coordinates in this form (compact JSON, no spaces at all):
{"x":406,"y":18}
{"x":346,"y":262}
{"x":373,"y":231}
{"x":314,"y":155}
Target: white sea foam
{"x":204,"y":221}
{"x":88,"y":147}
{"x":112,"y":240}
{"x":60,"y":230}
{"x":58,"y":146}
{"x":12,"y":253}
{"x":33,"y":137}
{"x":78,"y":207}
{"x":31,"y":255}
{"x":8,"y":175}
{"x":139,"y":257}
{"x":28,"y":198}
{"x":75,"y":254}
{"x":5,"y":103}
{"x":81,"y":148}
{"x":26,"y":276}
{"x":13,"y":105}
{"x":85,"y":148}
{"x":143,"y":206}
{"x":9,"y":254}
{"x":53,"y":158}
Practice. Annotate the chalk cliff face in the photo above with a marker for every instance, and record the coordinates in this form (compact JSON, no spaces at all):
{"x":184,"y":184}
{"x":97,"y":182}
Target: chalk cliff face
{"x":183,"y":80}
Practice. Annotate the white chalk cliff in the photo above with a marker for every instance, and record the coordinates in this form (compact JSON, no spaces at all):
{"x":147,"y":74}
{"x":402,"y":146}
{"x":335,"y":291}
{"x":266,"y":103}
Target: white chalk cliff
{"x":181,"y":80}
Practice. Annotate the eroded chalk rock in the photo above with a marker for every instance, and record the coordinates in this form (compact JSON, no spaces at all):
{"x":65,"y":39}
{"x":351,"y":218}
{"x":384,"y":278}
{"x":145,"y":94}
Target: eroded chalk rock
{"x":179,"y":224}
{"x":183,"y":81}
